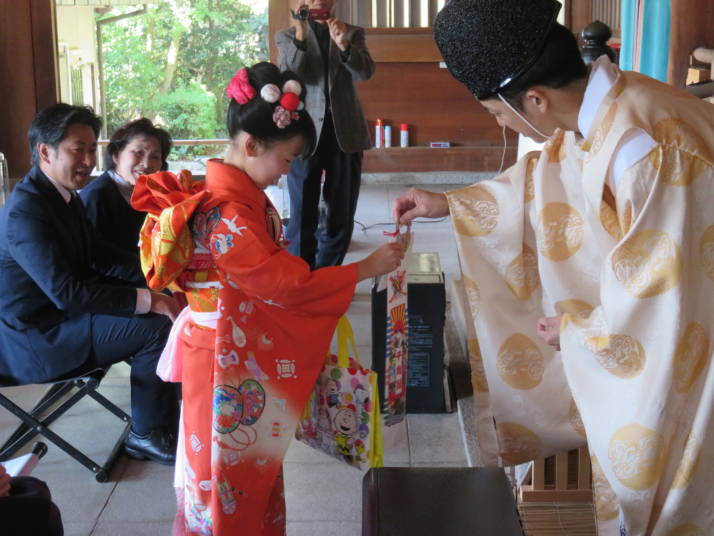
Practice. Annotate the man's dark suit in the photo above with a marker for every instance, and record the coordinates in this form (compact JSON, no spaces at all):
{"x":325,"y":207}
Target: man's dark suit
{"x":67,"y":300}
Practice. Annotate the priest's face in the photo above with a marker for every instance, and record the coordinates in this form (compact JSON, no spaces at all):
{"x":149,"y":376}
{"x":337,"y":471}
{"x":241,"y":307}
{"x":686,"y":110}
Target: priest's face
{"x":505,"y":117}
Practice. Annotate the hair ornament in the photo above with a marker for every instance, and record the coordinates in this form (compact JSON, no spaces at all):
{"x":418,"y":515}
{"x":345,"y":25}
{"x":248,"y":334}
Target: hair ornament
{"x":270,"y":93}
{"x":290,"y":101}
{"x":282,"y":117}
{"x":239,"y":89}
{"x":301,"y":106}
{"x":292,"y":86}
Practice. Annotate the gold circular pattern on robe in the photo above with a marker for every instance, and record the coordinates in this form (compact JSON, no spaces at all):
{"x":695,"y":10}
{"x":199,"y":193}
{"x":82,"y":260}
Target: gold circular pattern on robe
{"x":637,"y":455}
{"x":530,"y":181}
{"x":606,"y":503}
{"x":608,"y":219}
{"x":620,"y":355}
{"x":648,"y":264}
{"x":522,"y":274}
{"x":576,"y":422}
{"x":520,"y":362}
{"x":691,"y":356}
{"x":706,"y":252}
{"x":555,"y":147}
{"x":518,"y":443}
{"x":603,"y":130}
{"x":476,"y":211}
{"x":473,"y":296}
{"x":626,"y":218}
{"x":689,"y":464}
{"x":478,"y":373}
{"x":684,"y":155}
{"x":687,"y":530}
{"x":577,"y":310}
{"x":560,"y":231}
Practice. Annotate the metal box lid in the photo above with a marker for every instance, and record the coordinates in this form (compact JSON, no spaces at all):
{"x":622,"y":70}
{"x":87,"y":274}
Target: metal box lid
{"x":424,"y":268}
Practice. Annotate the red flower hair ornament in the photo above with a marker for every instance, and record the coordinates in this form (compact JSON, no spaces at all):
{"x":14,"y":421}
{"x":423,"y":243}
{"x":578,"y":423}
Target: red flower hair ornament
{"x":239,"y":88}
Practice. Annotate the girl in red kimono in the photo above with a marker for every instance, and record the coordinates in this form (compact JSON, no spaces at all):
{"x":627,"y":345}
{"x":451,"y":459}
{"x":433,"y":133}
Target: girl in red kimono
{"x":250,"y":345}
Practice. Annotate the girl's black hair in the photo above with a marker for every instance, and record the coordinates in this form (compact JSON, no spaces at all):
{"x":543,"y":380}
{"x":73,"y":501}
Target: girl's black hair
{"x":256,"y":116}
{"x":559,"y":64}
{"x":140,"y":127}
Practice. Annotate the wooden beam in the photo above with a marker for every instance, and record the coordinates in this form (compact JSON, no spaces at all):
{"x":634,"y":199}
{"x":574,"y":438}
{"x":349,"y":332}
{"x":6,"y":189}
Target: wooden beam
{"x":415,"y":159}
{"x":388,"y":45}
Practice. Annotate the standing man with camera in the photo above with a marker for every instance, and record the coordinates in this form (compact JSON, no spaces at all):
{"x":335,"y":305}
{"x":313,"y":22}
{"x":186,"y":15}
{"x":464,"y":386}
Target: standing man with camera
{"x":328,"y":55}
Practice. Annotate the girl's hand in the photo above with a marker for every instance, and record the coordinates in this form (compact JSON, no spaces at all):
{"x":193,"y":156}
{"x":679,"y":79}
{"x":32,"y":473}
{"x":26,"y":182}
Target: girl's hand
{"x":383,"y":260}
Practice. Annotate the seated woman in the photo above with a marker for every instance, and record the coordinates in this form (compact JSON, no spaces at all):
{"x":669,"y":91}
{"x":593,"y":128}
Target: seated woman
{"x":137,"y":148}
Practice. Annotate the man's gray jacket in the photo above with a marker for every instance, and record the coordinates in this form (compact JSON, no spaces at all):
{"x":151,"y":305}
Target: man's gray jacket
{"x":350,"y":126}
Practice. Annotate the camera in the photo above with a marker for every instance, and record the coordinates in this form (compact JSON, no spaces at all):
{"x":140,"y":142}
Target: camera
{"x":305,"y":13}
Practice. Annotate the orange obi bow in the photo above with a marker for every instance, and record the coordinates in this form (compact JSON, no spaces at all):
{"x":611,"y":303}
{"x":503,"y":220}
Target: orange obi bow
{"x":166,"y":243}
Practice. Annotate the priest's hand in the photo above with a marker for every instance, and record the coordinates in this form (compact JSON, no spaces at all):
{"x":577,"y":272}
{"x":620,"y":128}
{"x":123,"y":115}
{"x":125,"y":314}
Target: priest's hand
{"x":549,"y":330}
{"x":383,"y":260}
{"x":419,"y":203}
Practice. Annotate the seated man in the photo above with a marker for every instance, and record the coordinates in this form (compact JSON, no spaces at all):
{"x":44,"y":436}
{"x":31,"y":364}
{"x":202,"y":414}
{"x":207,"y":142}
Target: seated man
{"x":69,"y":301}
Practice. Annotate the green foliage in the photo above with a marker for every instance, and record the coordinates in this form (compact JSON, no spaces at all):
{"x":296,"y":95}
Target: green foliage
{"x":172,"y":64}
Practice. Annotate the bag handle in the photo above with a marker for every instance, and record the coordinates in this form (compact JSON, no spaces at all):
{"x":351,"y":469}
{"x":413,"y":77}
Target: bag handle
{"x":345,"y":337}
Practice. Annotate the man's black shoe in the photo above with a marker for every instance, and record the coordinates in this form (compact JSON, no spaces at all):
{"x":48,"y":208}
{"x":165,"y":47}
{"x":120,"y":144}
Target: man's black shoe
{"x":159,"y":445}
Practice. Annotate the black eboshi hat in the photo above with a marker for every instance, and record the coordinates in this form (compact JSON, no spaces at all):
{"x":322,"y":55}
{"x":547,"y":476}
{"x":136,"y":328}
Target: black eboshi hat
{"x":487,"y":44}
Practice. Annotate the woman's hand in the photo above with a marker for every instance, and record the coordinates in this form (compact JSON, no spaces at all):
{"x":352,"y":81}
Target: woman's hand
{"x":549,"y":330}
{"x":419,"y":203}
{"x":383,"y":260}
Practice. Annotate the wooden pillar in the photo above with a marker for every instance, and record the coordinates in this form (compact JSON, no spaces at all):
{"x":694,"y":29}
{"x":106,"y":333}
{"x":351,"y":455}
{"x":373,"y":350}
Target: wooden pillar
{"x":692,"y":26}
{"x":278,"y":19}
{"x":578,"y":15}
{"x":28,"y":61}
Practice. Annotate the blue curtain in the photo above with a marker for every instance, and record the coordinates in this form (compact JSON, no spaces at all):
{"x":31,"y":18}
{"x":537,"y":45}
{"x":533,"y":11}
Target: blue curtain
{"x":645,"y":37}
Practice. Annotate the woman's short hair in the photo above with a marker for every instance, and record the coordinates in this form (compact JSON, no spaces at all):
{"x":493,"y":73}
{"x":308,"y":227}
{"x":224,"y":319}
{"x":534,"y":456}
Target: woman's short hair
{"x":140,"y":127}
{"x":256,"y":116}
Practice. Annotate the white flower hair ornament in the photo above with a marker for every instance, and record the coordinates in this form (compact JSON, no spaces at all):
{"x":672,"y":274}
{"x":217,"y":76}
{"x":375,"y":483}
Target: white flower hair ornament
{"x":270,"y":93}
{"x":292,"y":86}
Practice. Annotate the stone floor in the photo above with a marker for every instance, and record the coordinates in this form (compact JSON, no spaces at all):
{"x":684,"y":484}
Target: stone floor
{"x":323,"y":496}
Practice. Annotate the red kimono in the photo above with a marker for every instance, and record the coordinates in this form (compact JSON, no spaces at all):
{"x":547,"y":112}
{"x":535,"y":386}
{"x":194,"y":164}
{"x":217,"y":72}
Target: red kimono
{"x":247,"y":350}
